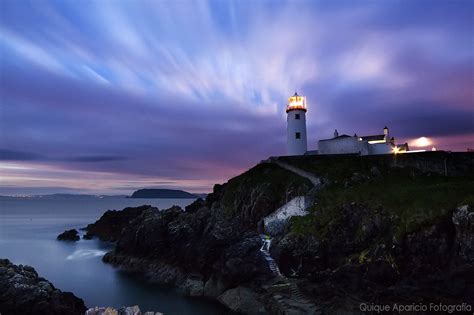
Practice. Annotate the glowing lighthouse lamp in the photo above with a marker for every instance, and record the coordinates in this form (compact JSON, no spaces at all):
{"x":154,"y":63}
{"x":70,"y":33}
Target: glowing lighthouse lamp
{"x":296,"y":125}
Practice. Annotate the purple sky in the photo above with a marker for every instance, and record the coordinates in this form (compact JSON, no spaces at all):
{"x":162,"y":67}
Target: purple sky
{"x":108,"y":97}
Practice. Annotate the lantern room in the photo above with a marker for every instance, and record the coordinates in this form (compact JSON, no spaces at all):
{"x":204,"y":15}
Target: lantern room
{"x":296,"y":102}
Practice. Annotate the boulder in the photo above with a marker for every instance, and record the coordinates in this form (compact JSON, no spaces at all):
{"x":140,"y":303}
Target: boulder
{"x":463,"y":219}
{"x":69,"y":235}
{"x":375,"y":171}
{"x":358,"y":178}
{"x":126,"y":310}
{"x":213,"y":287}
{"x":129,"y":310}
{"x":101,"y":311}
{"x":23,"y":292}
{"x":192,"y":286}
{"x":242,"y":300}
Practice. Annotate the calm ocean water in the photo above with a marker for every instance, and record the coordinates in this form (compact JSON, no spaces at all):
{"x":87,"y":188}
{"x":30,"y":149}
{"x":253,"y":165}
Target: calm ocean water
{"x":28,"y":230}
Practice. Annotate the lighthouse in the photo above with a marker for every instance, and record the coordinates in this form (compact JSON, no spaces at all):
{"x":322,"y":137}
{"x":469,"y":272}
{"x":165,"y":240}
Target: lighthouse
{"x":296,"y":125}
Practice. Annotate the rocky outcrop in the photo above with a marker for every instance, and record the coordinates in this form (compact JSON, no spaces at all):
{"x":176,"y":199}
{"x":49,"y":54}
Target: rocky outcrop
{"x":342,"y":253}
{"x":363,"y":256}
{"x":23,"y":292}
{"x":463,"y":219}
{"x":242,"y":300}
{"x":128,"y":310}
{"x":213,"y":245}
{"x":69,"y":235}
{"x":161,"y":242}
{"x":110,"y":225}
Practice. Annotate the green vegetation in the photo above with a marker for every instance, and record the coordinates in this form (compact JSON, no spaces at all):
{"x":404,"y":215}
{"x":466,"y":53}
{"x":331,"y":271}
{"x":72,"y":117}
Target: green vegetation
{"x":337,"y":168}
{"x":265,"y":185}
{"x":413,"y":198}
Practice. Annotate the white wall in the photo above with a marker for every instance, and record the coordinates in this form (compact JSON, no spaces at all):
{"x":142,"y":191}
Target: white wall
{"x":352,"y":145}
{"x":296,"y":146}
{"x":274,"y":223}
{"x":380,"y":148}
{"x":341,"y":146}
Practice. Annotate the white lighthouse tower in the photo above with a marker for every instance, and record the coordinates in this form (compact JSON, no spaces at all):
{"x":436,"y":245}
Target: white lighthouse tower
{"x":296,"y":125}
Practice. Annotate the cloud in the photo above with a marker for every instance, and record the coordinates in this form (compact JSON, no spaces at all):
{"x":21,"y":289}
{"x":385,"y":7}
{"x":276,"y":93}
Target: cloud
{"x":96,"y":158}
{"x":193,"y":94}
{"x":12,"y":155}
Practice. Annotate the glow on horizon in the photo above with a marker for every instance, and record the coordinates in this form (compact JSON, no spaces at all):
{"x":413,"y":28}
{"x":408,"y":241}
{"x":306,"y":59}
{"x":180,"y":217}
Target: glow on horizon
{"x":422,"y":142}
{"x":43,"y":176}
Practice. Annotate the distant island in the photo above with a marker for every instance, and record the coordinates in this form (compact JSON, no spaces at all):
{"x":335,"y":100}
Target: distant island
{"x":162,"y":193}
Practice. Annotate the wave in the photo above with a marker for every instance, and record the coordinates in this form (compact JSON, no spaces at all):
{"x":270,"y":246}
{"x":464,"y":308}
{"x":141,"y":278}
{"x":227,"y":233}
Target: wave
{"x":85,"y":254}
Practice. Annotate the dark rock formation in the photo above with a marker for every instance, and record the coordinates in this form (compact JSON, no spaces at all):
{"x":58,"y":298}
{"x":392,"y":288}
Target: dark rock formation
{"x":69,"y":235}
{"x":463,"y":219}
{"x":213,"y":246}
{"x":162,"y":193}
{"x":347,"y":250}
{"x":369,"y":262}
{"x":22,"y":292}
{"x":242,"y":300}
{"x":110,"y":225}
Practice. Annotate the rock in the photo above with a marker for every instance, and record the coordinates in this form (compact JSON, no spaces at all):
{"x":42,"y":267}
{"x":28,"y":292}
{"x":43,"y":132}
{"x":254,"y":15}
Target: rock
{"x":295,"y":254}
{"x":129,"y":310}
{"x":358,"y":178}
{"x":375,"y":171}
{"x":213,"y":287}
{"x":195,"y":206}
{"x":242,"y":300}
{"x":87,"y":236}
{"x":381,"y":272}
{"x":340,"y":254}
{"x":23,"y":292}
{"x":69,"y":235}
{"x":463,"y":219}
{"x":110,"y":225}
{"x":102,"y":311}
{"x":428,"y":250}
{"x":192,"y":286}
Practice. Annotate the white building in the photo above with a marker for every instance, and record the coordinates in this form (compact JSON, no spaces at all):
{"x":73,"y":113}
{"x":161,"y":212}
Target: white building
{"x":365,"y":145}
{"x":339,"y":144}
{"x":296,"y":125}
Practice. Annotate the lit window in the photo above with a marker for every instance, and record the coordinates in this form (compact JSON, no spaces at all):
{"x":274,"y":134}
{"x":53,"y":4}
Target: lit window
{"x":298,"y":135}
{"x":297,"y":116}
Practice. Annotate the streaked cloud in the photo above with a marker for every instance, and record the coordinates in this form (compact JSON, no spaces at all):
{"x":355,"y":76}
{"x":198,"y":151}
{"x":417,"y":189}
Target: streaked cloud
{"x":191,"y":93}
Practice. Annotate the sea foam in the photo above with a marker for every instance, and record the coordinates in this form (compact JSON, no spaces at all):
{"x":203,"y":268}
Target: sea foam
{"x":85,"y":254}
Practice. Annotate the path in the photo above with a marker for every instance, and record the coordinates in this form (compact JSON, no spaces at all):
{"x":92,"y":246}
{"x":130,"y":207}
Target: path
{"x":316,"y":181}
{"x":285,"y":291}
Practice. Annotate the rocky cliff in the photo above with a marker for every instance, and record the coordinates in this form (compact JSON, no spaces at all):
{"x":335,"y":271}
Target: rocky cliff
{"x":377,"y":232}
{"x":23,"y":292}
{"x":112,"y":222}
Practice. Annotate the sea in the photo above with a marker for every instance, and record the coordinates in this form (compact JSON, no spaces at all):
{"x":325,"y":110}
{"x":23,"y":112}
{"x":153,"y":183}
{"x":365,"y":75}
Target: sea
{"x":28,"y":230}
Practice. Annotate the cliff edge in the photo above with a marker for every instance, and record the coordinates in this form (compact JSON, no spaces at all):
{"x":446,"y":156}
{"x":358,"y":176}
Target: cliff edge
{"x":377,"y":229}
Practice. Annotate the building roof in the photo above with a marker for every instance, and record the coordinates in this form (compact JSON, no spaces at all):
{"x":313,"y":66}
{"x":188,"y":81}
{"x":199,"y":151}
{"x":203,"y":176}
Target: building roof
{"x":373,"y":138}
{"x":338,"y":137}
